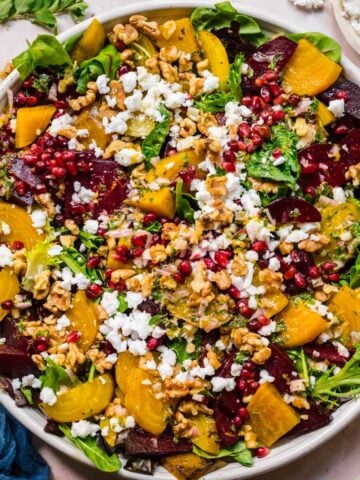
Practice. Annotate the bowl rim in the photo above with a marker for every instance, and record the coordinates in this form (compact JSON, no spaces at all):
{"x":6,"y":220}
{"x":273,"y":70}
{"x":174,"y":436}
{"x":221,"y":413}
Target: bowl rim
{"x":34,"y":420}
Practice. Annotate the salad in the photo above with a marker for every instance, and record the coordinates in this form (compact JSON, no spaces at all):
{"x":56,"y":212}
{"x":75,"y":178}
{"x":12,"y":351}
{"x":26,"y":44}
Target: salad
{"x":179,"y":232}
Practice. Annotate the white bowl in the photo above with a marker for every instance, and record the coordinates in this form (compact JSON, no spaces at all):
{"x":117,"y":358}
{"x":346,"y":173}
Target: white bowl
{"x":287,"y":450}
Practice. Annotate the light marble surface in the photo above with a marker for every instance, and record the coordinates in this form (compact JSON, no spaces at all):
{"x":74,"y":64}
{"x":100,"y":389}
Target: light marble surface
{"x":337,"y":459}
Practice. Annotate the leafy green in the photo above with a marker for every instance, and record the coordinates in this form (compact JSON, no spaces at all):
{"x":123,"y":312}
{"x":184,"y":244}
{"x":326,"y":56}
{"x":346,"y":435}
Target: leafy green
{"x":301,"y":364}
{"x":123,"y":306}
{"x":325,"y":44}
{"x":155,"y":227}
{"x":179,"y":345}
{"x":238,"y":452}
{"x":157,"y":319}
{"x":103,"y":461}
{"x":26,"y":391}
{"x":45,"y":51}
{"x":346,"y":383}
{"x":261,"y":163}
{"x":55,"y":376}
{"x":152,"y":144}
{"x":41,"y":12}
{"x":77,"y":264}
{"x":92,"y":242}
{"x":241,"y":357}
{"x":214,"y":102}
{"x":38,"y":260}
{"x":234,"y":80}
{"x":185,"y":204}
{"x":106,"y":62}
{"x":354,"y":281}
{"x":41,"y":83}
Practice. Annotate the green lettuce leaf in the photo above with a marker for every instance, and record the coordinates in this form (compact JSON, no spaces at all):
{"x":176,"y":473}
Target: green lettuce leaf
{"x":55,"y":376}
{"x":234,"y":80}
{"x":325,"y":44}
{"x":238,"y":452}
{"x":152,"y":144}
{"x":38,"y":260}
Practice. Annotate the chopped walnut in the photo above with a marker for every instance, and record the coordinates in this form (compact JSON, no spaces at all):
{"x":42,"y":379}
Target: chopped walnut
{"x":196,"y":85}
{"x":122,"y":274}
{"x":72,"y":227}
{"x":184,"y":428}
{"x":158,"y":253}
{"x":222,"y":280}
{"x":261,"y":356}
{"x":221,"y":215}
{"x":200,"y":283}
{"x":141,"y":23}
{"x":127,"y":34}
{"x":301,"y":127}
{"x":249,"y":342}
{"x":67,"y":80}
{"x":238,"y":265}
{"x":59,"y":299}
{"x":270,"y":280}
{"x":300,"y":402}
{"x":185,"y":63}
{"x":213,"y":359}
{"x":116,"y":409}
{"x":168,"y":283}
{"x":19,"y":262}
{"x":84,"y":101}
{"x":286,"y":248}
{"x":169,"y":72}
{"x":249,"y":436}
{"x":169,"y":54}
{"x":67,"y":240}
{"x":39,"y":361}
{"x":74,"y":356}
{"x":178,"y":389}
{"x":114,"y":147}
{"x":194,"y":408}
{"x":263,"y":186}
{"x":126,"y":57}
{"x":99,"y":360}
{"x":117,"y":91}
{"x":312,"y":246}
{"x":354,"y":174}
{"x":187,"y":128}
{"x":45,"y":200}
{"x":42,"y":285}
{"x":216,"y":186}
{"x":152,"y":64}
{"x":202,"y":66}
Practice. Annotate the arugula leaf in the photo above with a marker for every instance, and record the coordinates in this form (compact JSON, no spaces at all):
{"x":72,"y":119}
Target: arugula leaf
{"x":261,"y":163}
{"x":185,"y":204}
{"x":238,"y":452}
{"x":55,"y":376}
{"x":330,"y":387}
{"x":152,"y":144}
{"x":107,"y":62}
{"x":325,"y":44}
{"x":45,"y":51}
{"x":234,"y":80}
{"x":223,"y":16}
{"x":77,"y":264}
{"x":214,"y":102}
{"x":103,"y":461}
{"x":45,"y":18}
{"x":299,"y":358}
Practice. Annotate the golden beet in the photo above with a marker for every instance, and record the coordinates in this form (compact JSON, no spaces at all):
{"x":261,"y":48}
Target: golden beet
{"x":183,"y":37}
{"x":31,"y":122}
{"x":83,"y":319}
{"x":216,"y":54}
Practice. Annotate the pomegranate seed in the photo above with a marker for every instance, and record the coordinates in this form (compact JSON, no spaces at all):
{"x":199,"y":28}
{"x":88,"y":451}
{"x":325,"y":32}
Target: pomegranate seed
{"x":263,"y":320}
{"x":256,"y":139}
{"x":314,"y":271}
{"x":300,"y":280}
{"x":68,"y":156}
{"x":294,"y":99}
{"x":241,"y":384}
{"x":256,"y":103}
{"x":41,"y":344}
{"x":60,"y":104}
{"x":229,"y":166}
{"x":237,"y":421}
{"x":279,"y":100}
{"x":253,"y":386}
{"x":243,"y":413}
{"x":222,"y":257}
{"x":58,"y":172}
{"x":276,"y":153}
{"x":73,"y":337}
{"x":138,"y":251}
{"x":229,"y":156}
{"x":211,"y":265}
{"x":247,"y":374}
{"x":31,"y":100}
{"x":265,"y":94}
{"x":94,"y":291}
{"x":40,"y":166}
{"x":139,"y":240}
{"x":261,"y":452}
{"x":149,"y":218}
{"x":244,"y":130}
{"x":28,"y":82}
{"x":328,"y":266}
{"x":242,"y":145}
{"x":178,"y":277}
{"x":278,"y":115}
{"x":20,"y":187}
{"x":78,"y":209}
{"x":234,"y":146}
{"x":152,"y":343}
{"x":263,"y":131}
{"x":310,"y":191}
{"x":341,"y":130}
{"x":234,"y":292}
{"x":155,"y":239}
{"x":271,"y":76}
{"x":122,"y":70}
{"x":259,"y":82}
{"x":71,"y":168}
{"x":30,"y":159}
{"x":246,"y":101}
{"x":290,"y":273}
{"x":7,"y":305}
{"x":185,"y":268}
{"x":17,"y":245}
{"x":108,"y":272}
{"x":334,"y":277}
{"x":275,"y":90}
{"x":260,"y":246}
{"x":94,"y":261}
{"x":253,"y":325}
{"x":341,"y":94}
{"x":122,"y":250}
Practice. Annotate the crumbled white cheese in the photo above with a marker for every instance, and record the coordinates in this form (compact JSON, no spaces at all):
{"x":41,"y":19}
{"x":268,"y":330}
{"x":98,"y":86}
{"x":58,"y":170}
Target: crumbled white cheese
{"x":60,"y":123}
{"x":133,"y":299}
{"x":30,"y":381}
{"x":337,"y":107}
{"x":91,"y":226}
{"x":219,"y":384}
{"x":129,"y":422}
{"x":55,"y":250}
{"x":47,"y":395}
{"x":84,"y":428}
{"x":102,"y":84}
{"x":6,"y":257}
{"x":38,"y":218}
{"x":82,"y":194}
{"x":5,"y":228}
{"x":128,"y":156}
{"x":265,"y":377}
{"x":129,"y":81}
{"x":110,"y":302}
{"x":62,"y":322}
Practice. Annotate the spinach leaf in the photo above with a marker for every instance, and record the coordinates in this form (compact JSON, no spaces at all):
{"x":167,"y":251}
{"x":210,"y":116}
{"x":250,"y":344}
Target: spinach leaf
{"x":185,"y":204}
{"x":222,"y":16}
{"x":45,"y":18}
{"x":152,"y":144}
{"x":214,"y":102}
{"x":55,"y":376}
{"x":234,"y":80}
{"x":261,"y":163}
{"x":103,"y":461}
{"x":238,"y":452}
{"x":45,"y":51}
{"x":325,"y":44}
{"x":107,"y":62}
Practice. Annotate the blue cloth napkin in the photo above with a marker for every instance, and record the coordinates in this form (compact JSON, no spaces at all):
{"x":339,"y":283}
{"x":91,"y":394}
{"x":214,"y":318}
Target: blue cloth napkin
{"x":18,"y":458}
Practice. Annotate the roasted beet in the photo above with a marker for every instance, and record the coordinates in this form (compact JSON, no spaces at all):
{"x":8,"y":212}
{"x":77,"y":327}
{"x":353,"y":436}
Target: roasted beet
{"x":15,"y":363}
{"x":225,"y":369}
{"x":24,"y":172}
{"x":224,"y":427}
{"x":352,"y":91}
{"x":149,"y":306}
{"x":350,"y":148}
{"x":281,"y":367}
{"x":107,"y":179}
{"x":229,"y":402}
{"x":317,"y":417}
{"x":325,"y":351}
{"x":277,"y":51}
{"x":138,"y":442}
{"x":233,"y":42}
{"x":14,"y":338}
{"x":292,"y":209}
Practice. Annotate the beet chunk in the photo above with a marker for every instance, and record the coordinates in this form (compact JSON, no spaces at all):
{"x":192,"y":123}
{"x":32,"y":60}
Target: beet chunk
{"x":292,"y":209}
{"x":325,"y":351}
{"x":15,"y":363}
{"x":352,"y":104}
{"x":317,"y":417}
{"x":136,"y":441}
{"x":224,"y":427}
{"x":281,"y":367}
{"x":233,"y":42}
{"x":277,"y":51}
{"x":14,"y":338}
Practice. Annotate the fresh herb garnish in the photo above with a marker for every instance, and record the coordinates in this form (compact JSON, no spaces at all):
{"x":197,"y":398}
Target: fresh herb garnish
{"x":328,"y":46}
{"x":77,"y":264}
{"x":155,"y":227}
{"x":179,"y":346}
{"x":152,"y":144}
{"x":103,"y":461}
{"x":238,"y":452}
{"x":41,"y":83}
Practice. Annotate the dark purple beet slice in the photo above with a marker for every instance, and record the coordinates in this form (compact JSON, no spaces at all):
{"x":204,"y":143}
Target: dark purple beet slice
{"x":106,"y":178}
{"x":325,"y":351}
{"x":279,"y":50}
{"x":292,"y":209}
{"x":352,"y":104}
{"x":225,"y":369}
{"x":224,"y":427}
{"x":22,"y":200}
{"x":139,"y":442}
{"x":15,"y":363}
{"x":350,"y":148}
{"x":233,"y":42}
{"x":23,"y":172}
{"x":229,"y":402}
{"x":281,"y":367}
{"x":317,"y":417}
{"x":14,"y":338}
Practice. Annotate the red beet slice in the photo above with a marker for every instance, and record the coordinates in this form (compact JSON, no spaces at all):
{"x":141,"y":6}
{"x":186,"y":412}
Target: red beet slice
{"x":325,"y":351}
{"x":281,"y":367}
{"x":15,"y":363}
{"x":14,"y":338}
{"x":350,"y":148}
{"x":317,"y":417}
{"x":352,"y":103}
{"x":23,"y":172}
{"x":224,"y":428}
{"x":291,"y":209}
{"x":279,"y":50}
{"x":138,"y":442}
